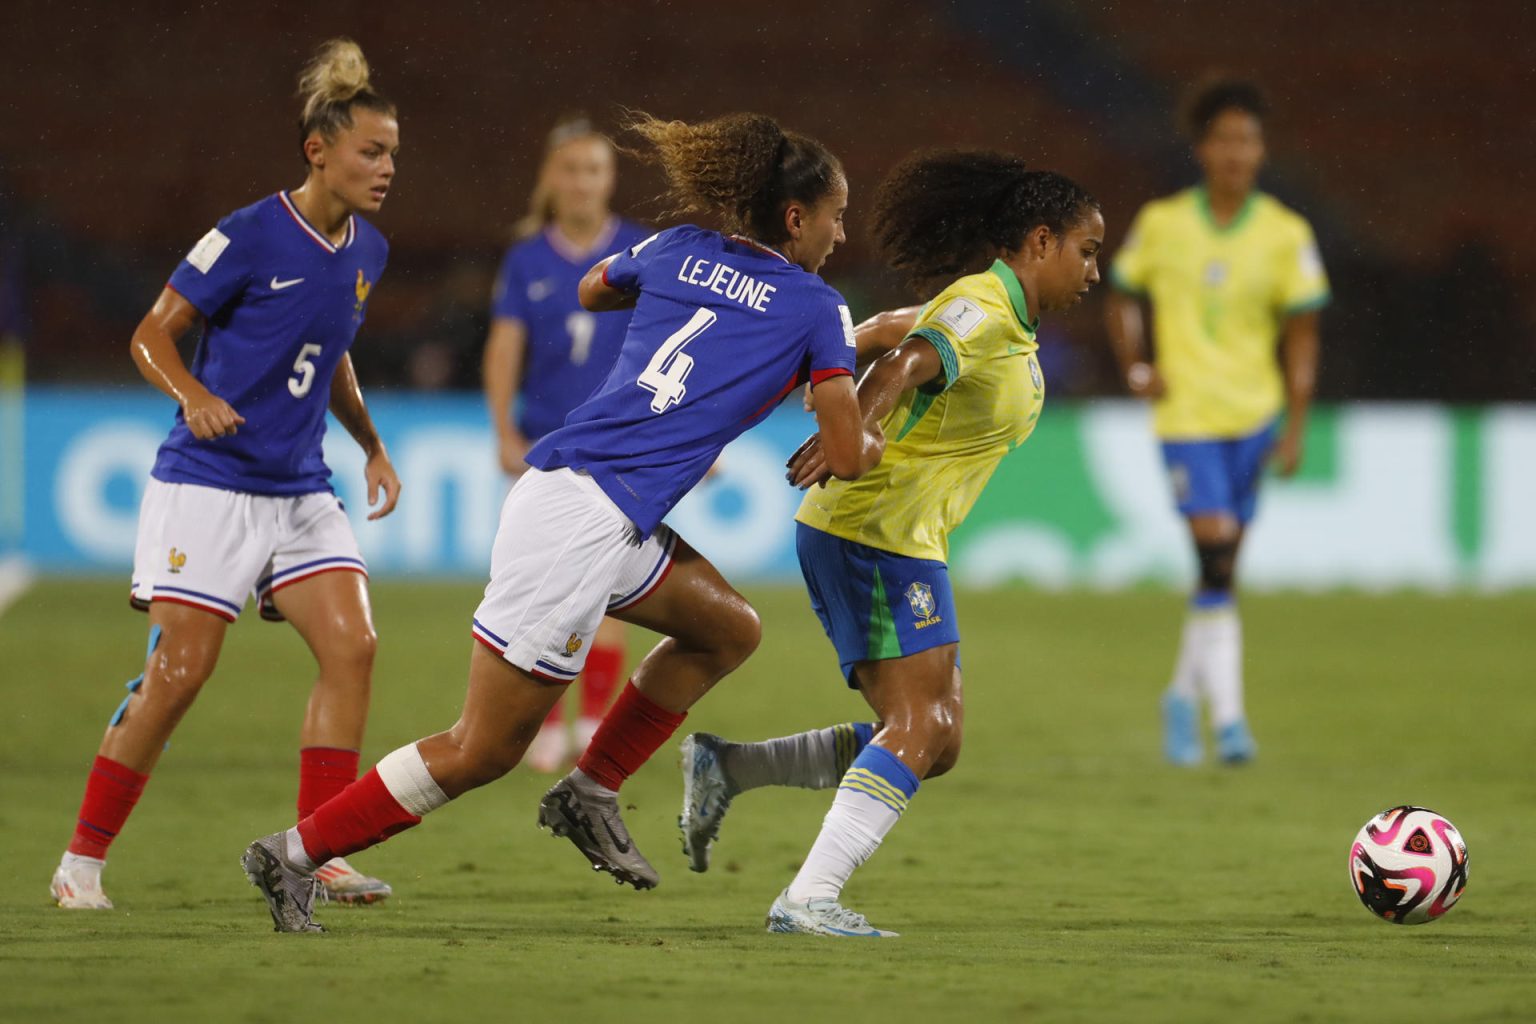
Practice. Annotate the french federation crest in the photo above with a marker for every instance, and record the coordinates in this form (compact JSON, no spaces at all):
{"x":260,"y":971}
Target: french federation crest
{"x":572,"y":645}
{"x":178,"y":559}
{"x":920,"y":597}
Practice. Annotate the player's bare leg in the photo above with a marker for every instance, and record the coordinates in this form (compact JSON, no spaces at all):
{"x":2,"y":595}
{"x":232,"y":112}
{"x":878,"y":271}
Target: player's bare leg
{"x":709,"y":630}
{"x":918,"y":701}
{"x":184,"y":649}
{"x":331,"y":612}
{"x":1211,"y":654}
{"x":503,"y":707}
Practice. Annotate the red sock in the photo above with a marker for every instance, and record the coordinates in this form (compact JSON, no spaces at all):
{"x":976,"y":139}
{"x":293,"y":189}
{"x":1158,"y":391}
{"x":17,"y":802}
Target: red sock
{"x":111,"y":790}
{"x":599,"y":680}
{"x":362,"y":815}
{"x":323,"y":772}
{"x":633,"y":730}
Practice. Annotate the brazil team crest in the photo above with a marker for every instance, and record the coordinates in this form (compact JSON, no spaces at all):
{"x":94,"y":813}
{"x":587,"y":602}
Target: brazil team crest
{"x":920,"y":597}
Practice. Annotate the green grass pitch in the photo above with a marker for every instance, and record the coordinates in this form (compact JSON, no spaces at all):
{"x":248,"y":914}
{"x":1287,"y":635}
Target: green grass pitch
{"x":1062,"y":872}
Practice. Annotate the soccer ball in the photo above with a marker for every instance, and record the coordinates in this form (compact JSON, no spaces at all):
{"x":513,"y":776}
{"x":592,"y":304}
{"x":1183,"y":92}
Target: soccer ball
{"x":1408,"y":865}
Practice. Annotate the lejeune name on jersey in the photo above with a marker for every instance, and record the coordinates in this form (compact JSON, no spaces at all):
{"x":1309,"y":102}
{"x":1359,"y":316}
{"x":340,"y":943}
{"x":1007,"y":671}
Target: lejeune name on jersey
{"x":727,"y":281}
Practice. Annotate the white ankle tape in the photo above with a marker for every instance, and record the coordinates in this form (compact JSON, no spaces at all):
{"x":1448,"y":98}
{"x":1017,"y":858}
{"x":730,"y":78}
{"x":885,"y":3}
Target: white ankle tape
{"x":405,"y":775}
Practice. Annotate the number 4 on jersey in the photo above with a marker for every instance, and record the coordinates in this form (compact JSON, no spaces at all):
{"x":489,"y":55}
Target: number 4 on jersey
{"x":668,"y":369}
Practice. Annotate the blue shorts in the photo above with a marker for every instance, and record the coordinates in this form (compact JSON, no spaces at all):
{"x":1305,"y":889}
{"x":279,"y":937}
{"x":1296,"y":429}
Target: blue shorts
{"x":1219,"y":476}
{"x":872,"y":603}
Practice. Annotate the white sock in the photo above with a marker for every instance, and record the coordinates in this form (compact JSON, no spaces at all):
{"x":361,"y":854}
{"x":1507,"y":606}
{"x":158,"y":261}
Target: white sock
{"x":1186,"y":670}
{"x":77,"y":862}
{"x":1222,"y":664}
{"x":810,"y":760}
{"x":850,"y":835}
{"x":295,"y":853}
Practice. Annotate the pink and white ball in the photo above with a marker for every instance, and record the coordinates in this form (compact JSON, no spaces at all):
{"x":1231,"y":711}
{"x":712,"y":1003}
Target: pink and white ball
{"x":1408,"y":865}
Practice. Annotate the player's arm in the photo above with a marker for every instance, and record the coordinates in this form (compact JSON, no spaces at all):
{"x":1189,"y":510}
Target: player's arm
{"x":1299,"y":343}
{"x":598,"y":296}
{"x":348,"y":406}
{"x":1126,"y":323}
{"x":153,"y":348}
{"x":911,"y":364}
{"x":846,"y":444}
{"x":501,"y":372}
{"x":875,"y":337}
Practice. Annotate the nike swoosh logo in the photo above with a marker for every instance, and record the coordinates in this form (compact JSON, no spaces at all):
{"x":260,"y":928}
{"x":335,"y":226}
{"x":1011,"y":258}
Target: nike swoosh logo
{"x":618,"y":843}
{"x":278,"y":286}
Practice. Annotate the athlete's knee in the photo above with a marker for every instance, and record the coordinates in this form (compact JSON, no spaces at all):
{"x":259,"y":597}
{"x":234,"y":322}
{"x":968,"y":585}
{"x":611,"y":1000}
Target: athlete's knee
{"x":949,"y":756}
{"x":739,"y":635}
{"x":177,"y":671}
{"x":1218,"y":564}
{"x":349,"y":651}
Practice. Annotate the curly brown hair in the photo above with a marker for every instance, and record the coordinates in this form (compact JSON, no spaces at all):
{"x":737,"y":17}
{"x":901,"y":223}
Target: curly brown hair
{"x":742,"y":167}
{"x":945,"y":212}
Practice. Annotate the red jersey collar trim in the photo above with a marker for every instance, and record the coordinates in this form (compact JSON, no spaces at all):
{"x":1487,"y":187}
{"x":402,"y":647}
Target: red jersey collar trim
{"x":310,"y":230}
{"x":755,"y":244}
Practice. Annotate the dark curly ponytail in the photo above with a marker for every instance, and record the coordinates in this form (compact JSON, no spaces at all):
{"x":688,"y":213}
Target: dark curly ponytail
{"x":943,"y":213}
{"x":742,"y":167}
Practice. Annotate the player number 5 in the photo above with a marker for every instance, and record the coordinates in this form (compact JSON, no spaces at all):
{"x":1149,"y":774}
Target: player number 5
{"x":306,"y":371}
{"x":668,"y":369}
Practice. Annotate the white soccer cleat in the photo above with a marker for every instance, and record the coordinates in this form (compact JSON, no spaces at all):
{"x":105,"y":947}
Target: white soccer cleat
{"x":549,"y":749}
{"x":707,"y":794}
{"x":341,"y":883}
{"x":821,"y":917}
{"x":76,"y":885}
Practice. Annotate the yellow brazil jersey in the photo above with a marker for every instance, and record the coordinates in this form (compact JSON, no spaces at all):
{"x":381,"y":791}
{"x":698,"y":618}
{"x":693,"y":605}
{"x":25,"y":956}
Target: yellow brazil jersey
{"x":943,"y":441}
{"x":1219,"y":296}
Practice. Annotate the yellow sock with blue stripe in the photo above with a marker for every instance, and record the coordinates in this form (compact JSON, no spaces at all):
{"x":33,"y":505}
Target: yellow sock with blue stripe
{"x":870,"y":800}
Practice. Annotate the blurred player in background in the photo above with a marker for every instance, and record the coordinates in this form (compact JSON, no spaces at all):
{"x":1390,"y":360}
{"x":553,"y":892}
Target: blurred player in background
{"x":239,"y":501}
{"x":547,"y":355}
{"x":961,"y":391}
{"x":1229,"y":272}
{"x":724,"y":327}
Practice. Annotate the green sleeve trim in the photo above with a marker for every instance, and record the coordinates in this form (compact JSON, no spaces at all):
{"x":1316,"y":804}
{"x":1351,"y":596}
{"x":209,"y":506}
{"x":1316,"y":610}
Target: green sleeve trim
{"x":947,"y":357}
{"x":1308,"y":305}
{"x":921,"y":403}
{"x":1118,"y":282}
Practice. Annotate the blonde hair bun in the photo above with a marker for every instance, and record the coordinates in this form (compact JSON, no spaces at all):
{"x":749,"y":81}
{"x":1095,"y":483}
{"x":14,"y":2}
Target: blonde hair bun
{"x":336,"y":74}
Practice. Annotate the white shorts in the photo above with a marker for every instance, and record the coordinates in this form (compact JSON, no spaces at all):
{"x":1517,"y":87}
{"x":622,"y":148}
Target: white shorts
{"x":211,"y":548}
{"x":564,"y":557}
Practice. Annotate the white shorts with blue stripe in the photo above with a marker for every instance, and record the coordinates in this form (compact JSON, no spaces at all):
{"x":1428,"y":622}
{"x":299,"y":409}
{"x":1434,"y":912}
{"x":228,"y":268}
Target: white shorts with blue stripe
{"x":564,"y":557}
{"x":211,"y":548}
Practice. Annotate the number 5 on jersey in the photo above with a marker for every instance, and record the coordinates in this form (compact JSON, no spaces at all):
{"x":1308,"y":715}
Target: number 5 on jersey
{"x":302,"y":366}
{"x":668,"y":369}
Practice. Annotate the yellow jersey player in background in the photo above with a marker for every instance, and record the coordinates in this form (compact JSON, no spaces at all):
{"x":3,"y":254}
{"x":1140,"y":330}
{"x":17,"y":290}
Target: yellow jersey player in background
{"x":961,"y":391}
{"x":1231,"y":276}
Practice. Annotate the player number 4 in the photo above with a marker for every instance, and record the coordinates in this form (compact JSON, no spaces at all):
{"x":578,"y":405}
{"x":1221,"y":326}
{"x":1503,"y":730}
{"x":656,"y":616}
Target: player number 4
{"x":302,"y":366}
{"x":664,"y":375}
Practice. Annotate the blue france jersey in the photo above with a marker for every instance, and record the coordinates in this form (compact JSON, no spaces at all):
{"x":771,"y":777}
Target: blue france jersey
{"x":722,"y":331}
{"x":569,"y":350}
{"x":282,"y":306}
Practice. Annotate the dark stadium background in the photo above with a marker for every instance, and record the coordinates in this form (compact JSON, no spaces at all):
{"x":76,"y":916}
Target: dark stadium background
{"x":1402,"y":132}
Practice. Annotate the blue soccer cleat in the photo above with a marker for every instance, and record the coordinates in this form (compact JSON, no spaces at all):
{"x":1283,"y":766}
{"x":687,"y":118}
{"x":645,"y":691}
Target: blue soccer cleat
{"x":1234,"y":743}
{"x":1181,"y":731}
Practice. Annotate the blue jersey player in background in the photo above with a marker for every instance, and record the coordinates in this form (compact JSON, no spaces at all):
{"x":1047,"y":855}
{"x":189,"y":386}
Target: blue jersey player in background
{"x":724,"y":327}
{"x":239,"y":502}
{"x":549,"y":354}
